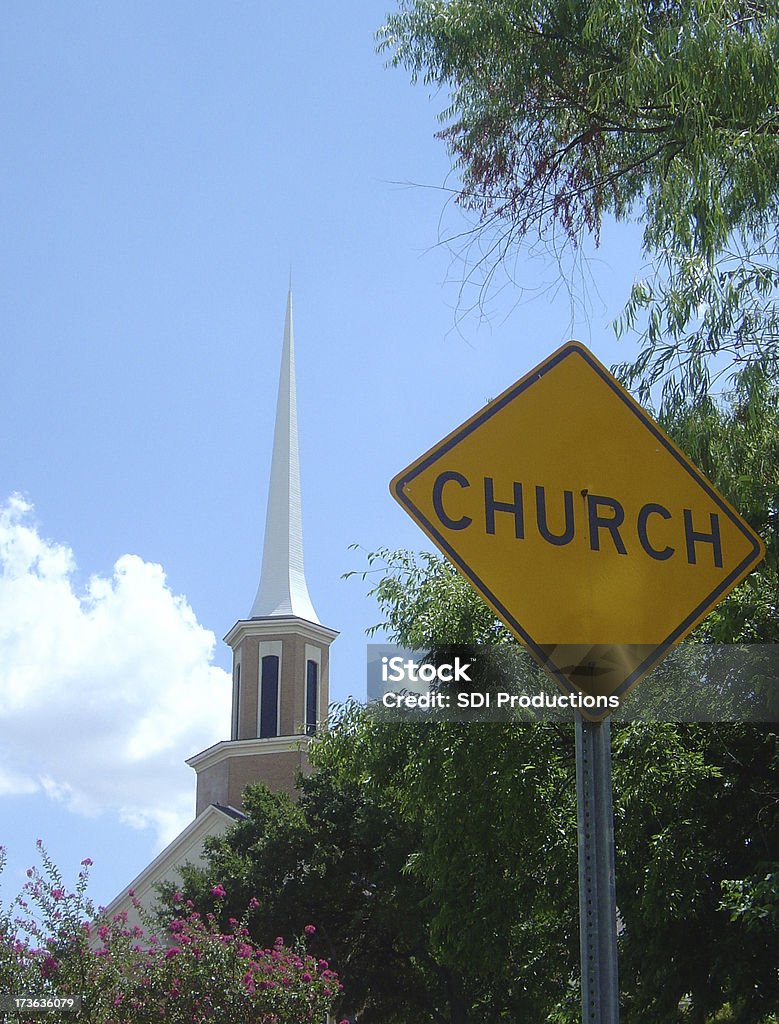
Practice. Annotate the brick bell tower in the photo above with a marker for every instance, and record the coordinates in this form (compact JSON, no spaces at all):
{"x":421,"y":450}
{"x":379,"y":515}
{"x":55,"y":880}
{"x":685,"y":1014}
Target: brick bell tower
{"x":281,"y":651}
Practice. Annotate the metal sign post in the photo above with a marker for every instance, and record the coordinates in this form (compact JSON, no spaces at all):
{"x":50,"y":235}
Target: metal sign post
{"x":597,"y":890}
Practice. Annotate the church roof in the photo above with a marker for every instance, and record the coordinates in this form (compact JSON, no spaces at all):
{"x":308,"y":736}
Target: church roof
{"x":283,"y":591}
{"x":186,"y":848}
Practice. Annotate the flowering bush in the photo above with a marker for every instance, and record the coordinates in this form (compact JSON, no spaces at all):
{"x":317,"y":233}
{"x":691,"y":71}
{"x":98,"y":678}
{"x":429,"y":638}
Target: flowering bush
{"x":52,"y":941}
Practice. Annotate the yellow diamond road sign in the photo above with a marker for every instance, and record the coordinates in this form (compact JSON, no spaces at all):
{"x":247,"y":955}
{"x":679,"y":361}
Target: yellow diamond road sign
{"x":582,"y":525}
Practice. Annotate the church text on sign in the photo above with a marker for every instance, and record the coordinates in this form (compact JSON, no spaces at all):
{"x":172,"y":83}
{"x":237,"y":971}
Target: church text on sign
{"x":604,"y":518}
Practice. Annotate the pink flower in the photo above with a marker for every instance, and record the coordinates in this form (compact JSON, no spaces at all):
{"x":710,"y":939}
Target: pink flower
{"x":253,"y":903}
{"x":172,"y":952}
{"x":86,"y":862}
{"x":218,"y":891}
{"x":178,"y":897}
{"x":49,"y":966}
{"x":310,"y":929}
{"x":57,"y":894}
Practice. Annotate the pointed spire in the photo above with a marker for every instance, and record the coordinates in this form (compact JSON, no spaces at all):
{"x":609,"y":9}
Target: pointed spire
{"x":283,"y":590}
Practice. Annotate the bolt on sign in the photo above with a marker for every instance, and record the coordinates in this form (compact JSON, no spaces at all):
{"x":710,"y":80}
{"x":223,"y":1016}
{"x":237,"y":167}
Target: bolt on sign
{"x":580,"y":523}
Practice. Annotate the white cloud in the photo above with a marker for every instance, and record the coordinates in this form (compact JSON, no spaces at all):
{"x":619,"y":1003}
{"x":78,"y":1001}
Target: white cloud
{"x":102,"y":693}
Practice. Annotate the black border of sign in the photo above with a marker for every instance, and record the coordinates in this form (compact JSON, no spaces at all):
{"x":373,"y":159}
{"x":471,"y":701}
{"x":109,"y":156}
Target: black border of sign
{"x":466,"y":429}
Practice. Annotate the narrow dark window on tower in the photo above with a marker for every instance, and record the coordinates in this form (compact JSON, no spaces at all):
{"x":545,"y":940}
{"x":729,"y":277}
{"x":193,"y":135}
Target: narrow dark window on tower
{"x":269,"y":696}
{"x":237,"y":702}
{"x":312,"y":684}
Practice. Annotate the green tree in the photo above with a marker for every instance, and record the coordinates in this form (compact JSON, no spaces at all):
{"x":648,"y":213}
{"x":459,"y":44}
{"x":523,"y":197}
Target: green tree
{"x":695,"y":808}
{"x":437,"y":864}
{"x":333,"y":864}
{"x":736,"y":444}
{"x":563,"y":112}
{"x":491,"y":814}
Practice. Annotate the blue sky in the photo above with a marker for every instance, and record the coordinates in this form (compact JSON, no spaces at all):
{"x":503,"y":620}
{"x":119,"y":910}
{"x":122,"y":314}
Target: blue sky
{"x":165,"y":166}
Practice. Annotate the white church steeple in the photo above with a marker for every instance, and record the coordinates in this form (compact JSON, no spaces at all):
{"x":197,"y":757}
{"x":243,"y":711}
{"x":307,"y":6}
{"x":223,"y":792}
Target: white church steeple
{"x":283,"y":590}
{"x":281,"y":653}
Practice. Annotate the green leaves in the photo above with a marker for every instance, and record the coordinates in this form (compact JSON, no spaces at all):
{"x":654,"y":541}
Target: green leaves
{"x":561,"y":113}
{"x":425,"y":602}
{"x":565,"y":110}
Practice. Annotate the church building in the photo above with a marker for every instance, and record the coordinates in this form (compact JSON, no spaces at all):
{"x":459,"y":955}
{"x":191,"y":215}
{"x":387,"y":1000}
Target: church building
{"x":280,"y":668}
